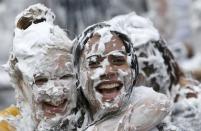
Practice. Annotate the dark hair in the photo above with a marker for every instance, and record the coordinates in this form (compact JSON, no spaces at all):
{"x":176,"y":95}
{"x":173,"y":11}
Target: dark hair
{"x":173,"y":69}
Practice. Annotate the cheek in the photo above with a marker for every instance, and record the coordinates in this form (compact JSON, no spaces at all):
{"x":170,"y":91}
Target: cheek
{"x":83,"y":78}
{"x":38,"y":93}
{"x":45,"y":91}
{"x":86,"y":83}
{"x":126,"y":75}
{"x":90,"y":73}
{"x":125,"y":71}
{"x":82,"y":75}
{"x":66,"y":83}
{"x":28,"y":93}
{"x":96,"y":73}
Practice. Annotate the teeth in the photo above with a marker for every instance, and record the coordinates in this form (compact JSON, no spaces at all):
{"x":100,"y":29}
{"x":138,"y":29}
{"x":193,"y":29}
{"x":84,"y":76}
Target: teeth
{"x":109,"y":86}
{"x":52,"y":103}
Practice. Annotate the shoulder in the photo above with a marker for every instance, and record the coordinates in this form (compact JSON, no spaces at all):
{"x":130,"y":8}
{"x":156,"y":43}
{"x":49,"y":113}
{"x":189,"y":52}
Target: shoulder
{"x":10,"y":111}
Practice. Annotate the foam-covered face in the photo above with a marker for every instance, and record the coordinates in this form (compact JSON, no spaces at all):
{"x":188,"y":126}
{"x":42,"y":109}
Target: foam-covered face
{"x":152,"y":68}
{"x":105,"y":73}
{"x":52,"y":92}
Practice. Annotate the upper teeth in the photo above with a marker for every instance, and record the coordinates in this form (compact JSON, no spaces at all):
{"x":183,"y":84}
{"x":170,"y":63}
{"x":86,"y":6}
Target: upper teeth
{"x":109,"y":86}
{"x":56,"y":103}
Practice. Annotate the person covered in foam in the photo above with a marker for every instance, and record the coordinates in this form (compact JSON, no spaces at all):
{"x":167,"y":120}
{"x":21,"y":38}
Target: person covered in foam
{"x":40,"y":67}
{"x":159,"y":70}
{"x":107,"y":68}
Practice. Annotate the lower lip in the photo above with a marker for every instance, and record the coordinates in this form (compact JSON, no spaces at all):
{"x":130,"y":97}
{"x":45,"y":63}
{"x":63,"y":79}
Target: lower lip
{"x":109,"y":95}
{"x":51,"y":110}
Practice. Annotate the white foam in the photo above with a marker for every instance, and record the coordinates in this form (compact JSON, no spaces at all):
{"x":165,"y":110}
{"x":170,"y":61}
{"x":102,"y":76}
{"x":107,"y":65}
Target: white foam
{"x":139,"y":29}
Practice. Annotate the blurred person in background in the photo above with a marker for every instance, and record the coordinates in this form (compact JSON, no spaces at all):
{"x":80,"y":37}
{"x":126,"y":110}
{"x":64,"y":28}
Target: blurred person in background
{"x":159,"y":70}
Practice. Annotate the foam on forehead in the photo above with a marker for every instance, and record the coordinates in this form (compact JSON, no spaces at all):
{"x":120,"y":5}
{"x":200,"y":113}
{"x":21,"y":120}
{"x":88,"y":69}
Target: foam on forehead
{"x":37,"y":38}
{"x":33,"y":44}
{"x":139,"y":29}
{"x":105,"y":37}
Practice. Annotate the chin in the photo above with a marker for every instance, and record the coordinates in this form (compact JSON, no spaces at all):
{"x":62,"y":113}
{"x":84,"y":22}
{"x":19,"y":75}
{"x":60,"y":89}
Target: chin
{"x":50,"y":116}
{"x":55,"y":123}
{"x":52,"y":110}
{"x":112,"y":100}
{"x":109,"y":90}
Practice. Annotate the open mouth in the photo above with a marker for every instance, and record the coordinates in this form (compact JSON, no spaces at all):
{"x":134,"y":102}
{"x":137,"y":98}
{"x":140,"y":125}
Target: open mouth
{"x":51,"y":110}
{"x":109,"y":90}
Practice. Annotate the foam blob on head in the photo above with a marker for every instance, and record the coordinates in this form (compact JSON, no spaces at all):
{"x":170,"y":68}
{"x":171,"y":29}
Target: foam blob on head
{"x":139,"y":29}
{"x":34,"y":14}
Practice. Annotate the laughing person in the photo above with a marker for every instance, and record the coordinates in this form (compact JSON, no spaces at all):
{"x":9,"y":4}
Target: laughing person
{"x":107,"y":68}
{"x":40,"y":67}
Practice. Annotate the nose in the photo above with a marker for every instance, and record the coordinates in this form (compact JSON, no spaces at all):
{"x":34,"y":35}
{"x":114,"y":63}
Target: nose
{"x":111,"y":73}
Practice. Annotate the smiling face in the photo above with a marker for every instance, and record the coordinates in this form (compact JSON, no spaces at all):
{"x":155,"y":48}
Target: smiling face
{"x":105,"y":74}
{"x":53,"y":89}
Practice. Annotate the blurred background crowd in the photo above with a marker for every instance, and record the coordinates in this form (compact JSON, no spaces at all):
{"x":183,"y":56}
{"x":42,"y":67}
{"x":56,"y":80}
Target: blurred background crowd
{"x":178,"y":21}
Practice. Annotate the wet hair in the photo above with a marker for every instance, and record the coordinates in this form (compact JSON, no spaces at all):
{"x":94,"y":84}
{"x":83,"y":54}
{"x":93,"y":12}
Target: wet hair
{"x":173,"y":69}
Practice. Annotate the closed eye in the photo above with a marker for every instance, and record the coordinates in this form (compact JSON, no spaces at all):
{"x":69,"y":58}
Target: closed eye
{"x":94,"y":61}
{"x":117,"y":60}
{"x":67,"y":76}
{"x":94,"y":64}
{"x":41,"y":81}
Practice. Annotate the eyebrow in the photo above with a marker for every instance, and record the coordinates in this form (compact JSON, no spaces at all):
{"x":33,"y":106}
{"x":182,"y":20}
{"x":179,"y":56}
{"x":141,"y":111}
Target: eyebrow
{"x":114,"y":53}
{"x":39,"y":74}
{"x":94,"y":55}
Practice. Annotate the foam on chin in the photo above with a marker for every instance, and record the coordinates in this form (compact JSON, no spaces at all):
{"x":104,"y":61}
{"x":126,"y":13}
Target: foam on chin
{"x":146,"y":109}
